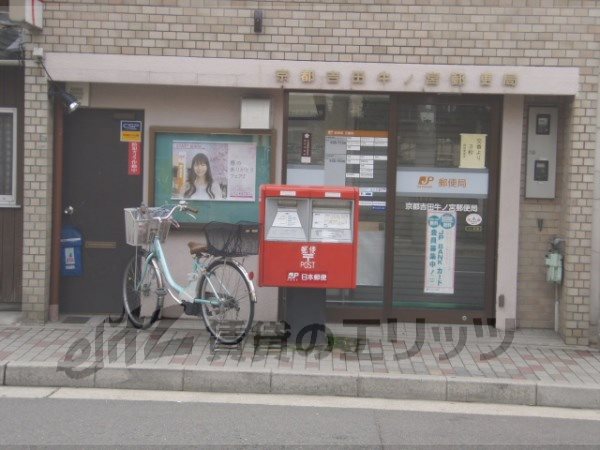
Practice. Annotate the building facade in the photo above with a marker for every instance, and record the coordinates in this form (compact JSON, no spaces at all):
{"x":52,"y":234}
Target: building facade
{"x":485,"y":114}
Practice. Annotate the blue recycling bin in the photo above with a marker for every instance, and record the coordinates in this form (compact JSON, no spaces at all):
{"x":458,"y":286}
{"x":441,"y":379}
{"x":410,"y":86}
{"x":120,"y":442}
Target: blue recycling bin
{"x":71,"y":244}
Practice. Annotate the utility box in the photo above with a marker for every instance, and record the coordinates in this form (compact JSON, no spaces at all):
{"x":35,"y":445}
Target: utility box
{"x":540,"y":179}
{"x":309,"y":236}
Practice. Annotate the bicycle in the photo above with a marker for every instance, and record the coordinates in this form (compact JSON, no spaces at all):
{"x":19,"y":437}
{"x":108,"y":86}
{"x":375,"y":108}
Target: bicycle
{"x":219,"y":288}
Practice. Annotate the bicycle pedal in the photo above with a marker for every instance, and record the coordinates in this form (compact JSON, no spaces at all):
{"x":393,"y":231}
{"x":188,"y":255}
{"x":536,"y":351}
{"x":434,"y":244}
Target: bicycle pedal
{"x":192,"y":309}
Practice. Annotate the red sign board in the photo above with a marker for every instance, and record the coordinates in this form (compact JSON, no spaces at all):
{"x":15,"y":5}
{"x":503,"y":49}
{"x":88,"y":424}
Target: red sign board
{"x":134,"y":164}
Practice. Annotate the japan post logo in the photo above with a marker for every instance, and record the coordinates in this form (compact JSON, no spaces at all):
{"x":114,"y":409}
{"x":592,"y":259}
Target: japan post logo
{"x":425,"y":181}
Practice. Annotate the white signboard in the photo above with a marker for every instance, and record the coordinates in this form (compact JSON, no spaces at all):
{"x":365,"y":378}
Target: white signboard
{"x":440,"y":248}
{"x":417,"y":182}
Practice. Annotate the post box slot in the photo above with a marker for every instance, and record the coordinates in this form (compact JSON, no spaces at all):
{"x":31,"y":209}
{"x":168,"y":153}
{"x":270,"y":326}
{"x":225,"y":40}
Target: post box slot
{"x":286,"y":219}
{"x":331,"y":221}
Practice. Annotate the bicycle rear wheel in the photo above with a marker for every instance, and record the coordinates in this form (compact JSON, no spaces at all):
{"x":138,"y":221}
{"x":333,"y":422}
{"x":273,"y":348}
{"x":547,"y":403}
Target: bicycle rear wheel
{"x":141,"y":286}
{"x":230,"y":317}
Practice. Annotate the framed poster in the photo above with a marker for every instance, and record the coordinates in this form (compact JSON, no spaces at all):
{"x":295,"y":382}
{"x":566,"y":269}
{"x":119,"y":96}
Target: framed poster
{"x":217,"y":171}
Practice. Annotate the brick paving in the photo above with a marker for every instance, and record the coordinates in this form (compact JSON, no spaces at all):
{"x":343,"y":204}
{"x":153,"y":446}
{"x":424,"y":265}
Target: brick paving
{"x":537,"y":355}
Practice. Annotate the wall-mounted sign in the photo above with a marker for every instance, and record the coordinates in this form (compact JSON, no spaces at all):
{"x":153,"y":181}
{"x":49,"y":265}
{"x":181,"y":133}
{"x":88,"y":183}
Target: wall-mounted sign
{"x":440,"y":248}
{"x":134,"y":165}
{"x":431,"y":182}
{"x":131,"y":131}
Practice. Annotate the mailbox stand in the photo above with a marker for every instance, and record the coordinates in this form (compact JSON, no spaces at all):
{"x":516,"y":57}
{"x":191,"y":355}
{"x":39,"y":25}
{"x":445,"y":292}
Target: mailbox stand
{"x":308,"y":243}
{"x":305,"y":315}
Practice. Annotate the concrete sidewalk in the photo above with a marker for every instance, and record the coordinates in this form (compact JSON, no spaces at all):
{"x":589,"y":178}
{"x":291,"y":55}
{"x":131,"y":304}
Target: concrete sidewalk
{"x":401,"y":361}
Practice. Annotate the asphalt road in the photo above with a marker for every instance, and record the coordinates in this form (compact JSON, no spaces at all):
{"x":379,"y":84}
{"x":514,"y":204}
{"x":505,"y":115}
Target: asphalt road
{"x":118,"y":417}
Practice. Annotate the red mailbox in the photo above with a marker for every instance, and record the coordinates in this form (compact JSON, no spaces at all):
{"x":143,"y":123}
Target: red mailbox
{"x":308,"y":236}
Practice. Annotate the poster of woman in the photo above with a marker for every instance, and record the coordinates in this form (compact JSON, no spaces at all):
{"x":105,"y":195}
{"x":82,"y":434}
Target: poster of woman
{"x":214,"y":171}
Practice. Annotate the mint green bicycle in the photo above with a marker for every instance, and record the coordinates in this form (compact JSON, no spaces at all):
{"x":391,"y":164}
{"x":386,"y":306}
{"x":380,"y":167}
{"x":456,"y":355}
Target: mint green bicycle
{"x":219,"y":288}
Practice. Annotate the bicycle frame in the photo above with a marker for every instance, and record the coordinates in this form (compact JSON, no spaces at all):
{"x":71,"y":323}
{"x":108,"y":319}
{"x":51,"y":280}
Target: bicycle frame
{"x":156,"y":251}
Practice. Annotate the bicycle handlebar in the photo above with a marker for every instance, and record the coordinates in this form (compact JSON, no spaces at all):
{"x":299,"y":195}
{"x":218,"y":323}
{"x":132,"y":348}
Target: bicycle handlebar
{"x":182,"y":206}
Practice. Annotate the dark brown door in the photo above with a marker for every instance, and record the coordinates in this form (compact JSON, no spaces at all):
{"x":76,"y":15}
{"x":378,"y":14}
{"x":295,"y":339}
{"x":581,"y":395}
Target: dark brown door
{"x":11,"y":218}
{"x":96,"y":188}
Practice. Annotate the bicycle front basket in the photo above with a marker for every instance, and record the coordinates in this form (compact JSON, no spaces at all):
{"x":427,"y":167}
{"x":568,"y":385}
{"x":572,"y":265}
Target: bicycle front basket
{"x":232,"y":239}
{"x":140,"y":229}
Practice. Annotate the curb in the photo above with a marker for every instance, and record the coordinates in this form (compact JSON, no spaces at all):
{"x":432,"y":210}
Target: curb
{"x":261,"y":381}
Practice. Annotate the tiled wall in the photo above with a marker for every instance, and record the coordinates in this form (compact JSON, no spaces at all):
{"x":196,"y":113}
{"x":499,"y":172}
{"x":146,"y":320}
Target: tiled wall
{"x":554,"y":33}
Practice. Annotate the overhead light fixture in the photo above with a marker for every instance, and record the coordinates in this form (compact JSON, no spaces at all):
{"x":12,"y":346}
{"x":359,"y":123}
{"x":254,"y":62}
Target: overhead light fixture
{"x":69,"y":99}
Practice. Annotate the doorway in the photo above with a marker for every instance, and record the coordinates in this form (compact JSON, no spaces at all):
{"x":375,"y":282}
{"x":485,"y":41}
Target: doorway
{"x":445,"y":209}
{"x":97,"y":187}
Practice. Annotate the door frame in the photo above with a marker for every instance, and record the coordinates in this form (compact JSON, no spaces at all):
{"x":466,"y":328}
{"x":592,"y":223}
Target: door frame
{"x":11,"y":215}
{"x":487,"y":315}
{"x":57,"y":197}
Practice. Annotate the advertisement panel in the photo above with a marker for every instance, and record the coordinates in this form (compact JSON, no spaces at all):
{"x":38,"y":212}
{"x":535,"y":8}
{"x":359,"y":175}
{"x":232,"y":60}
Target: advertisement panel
{"x":440,"y":252}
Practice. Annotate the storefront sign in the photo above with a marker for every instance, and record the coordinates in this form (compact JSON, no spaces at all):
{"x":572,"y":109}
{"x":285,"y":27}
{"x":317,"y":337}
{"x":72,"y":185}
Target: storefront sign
{"x":472,"y":151}
{"x":459,"y":207}
{"x":131,"y":131}
{"x":439,"y":252}
{"x":134,"y":164}
{"x":419,"y":78}
{"x":425,"y":182}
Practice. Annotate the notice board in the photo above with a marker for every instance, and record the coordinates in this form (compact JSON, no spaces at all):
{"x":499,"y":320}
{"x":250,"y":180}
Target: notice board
{"x":216,"y":171}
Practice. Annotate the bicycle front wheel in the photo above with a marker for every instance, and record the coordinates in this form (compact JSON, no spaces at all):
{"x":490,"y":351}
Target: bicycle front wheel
{"x":142,"y":283}
{"x":229,"y":316}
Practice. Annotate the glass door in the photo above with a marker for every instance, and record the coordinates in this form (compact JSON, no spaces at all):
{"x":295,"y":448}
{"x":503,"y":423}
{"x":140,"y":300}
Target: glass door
{"x":445,"y":208}
{"x":342,"y":140}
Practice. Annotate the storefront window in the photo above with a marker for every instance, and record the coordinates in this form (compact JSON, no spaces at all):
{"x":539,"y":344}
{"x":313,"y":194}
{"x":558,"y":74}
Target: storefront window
{"x":441,"y":249}
{"x":342,"y":140}
{"x":441,"y":219}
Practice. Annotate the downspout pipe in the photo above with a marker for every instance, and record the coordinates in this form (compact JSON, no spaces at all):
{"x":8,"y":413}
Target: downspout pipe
{"x":57,"y":171}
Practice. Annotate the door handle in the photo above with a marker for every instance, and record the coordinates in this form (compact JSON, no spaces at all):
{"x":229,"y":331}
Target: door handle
{"x":68,"y":211}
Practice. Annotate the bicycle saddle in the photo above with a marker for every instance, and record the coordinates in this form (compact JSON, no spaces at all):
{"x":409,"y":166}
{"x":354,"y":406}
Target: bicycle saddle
{"x":197,"y":249}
